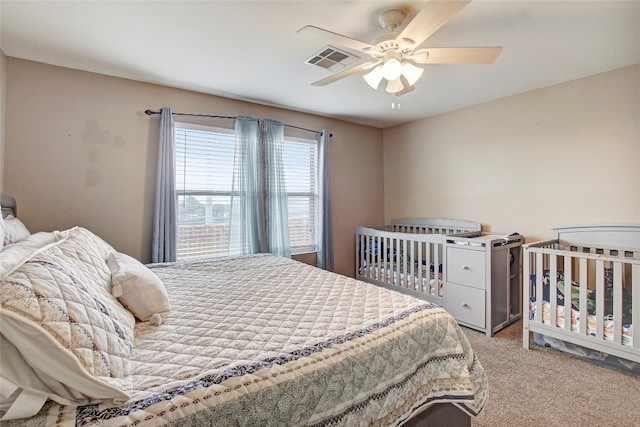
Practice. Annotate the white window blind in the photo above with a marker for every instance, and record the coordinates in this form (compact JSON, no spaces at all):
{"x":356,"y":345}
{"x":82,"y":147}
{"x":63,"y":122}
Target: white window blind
{"x":204,"y":175}
{"x":204,"y":167}
{"x":301,"y":170}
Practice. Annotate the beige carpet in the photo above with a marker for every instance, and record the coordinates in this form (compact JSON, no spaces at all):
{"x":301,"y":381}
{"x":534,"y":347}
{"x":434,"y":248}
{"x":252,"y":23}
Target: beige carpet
{"x":545,"y":387}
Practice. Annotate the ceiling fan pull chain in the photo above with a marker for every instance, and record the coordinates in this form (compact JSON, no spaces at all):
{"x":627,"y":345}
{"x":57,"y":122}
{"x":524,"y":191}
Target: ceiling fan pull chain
{"x":395,"y":103}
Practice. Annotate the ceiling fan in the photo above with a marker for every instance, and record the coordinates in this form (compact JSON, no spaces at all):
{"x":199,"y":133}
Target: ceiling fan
{"x":394,"y":55}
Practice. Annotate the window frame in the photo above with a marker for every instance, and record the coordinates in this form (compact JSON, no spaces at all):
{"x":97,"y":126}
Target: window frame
{"x":313,"y":246}
{"x":312,"y":195}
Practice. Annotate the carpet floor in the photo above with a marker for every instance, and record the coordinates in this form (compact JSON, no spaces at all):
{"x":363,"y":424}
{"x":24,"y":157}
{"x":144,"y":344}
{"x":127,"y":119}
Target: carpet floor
{"x":546,"y":387}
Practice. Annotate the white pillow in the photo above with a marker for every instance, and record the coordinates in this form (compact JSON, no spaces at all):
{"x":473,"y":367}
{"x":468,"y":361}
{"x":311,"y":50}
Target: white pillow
{"x":139,"y":289}
{"x":15,"y":230}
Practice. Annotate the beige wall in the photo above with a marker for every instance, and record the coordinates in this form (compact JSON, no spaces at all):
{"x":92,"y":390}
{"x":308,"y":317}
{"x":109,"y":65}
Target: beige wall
{"x":3,"y":91}
{"x":562,"y":155}
{"x":80,"y":151}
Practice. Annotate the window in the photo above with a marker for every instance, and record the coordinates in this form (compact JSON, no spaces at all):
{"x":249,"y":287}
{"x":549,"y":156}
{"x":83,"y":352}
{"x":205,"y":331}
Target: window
{"x":204,"y":171}
{"x":301,"y":171}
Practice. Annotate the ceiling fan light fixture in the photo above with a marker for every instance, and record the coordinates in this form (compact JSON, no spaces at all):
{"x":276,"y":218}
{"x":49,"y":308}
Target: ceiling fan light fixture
{"x":411,"y":73}
{"x":374,"y":77}
{"x":396,"y":56}
{"x":392,"y":69}
{"x":394,"y":86}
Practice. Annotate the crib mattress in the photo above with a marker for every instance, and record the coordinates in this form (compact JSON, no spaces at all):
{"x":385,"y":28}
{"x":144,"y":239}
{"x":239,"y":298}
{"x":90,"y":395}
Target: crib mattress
{"x":264,"y":340}
{"x":608,"y":323}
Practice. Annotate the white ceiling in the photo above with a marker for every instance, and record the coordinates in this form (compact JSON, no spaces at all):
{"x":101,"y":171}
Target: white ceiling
{"x":249,"y":50}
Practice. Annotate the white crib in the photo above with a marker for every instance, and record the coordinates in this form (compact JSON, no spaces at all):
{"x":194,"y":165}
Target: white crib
{"x":407,"y":255}
{"x":601,"y":264}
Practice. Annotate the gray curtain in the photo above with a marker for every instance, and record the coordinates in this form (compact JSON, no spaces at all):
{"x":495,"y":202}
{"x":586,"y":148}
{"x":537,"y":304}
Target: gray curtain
{"x":272,"y":132}
{"x":246,"y":227}
{"x":324,"y":256}
{"x":165,"y":230}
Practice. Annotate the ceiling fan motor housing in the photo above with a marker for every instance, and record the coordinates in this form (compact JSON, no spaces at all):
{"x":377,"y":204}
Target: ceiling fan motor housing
{"x":389,"y":44}
{"x":391,"y":19}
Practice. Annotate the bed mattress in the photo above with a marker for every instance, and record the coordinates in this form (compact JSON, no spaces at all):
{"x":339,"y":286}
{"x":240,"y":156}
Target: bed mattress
{"x":265,"y":340}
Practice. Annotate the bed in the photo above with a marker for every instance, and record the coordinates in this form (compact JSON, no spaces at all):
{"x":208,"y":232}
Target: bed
{"x":407,"y":254}
{"x":90,"y":336}
{"x":583,"y":293}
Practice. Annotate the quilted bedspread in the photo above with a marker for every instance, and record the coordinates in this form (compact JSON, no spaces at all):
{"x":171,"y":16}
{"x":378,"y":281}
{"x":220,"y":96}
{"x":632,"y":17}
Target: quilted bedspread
{"x":267,"y":341}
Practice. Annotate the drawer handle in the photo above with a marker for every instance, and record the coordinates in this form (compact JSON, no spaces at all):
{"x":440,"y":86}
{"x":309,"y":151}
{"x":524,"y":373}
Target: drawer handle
{"x":465,"y":267}
{"x":465,"y":305}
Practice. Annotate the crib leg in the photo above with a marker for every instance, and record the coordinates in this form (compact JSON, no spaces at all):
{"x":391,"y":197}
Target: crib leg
{"x":526,"y":338}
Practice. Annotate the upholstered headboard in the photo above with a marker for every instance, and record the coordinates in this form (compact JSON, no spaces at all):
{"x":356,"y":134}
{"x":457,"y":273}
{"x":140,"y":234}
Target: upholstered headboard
{"x":8,"y":204}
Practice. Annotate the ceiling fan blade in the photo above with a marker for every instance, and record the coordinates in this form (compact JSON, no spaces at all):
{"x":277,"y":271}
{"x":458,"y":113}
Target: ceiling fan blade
{"x":346,"y":73}
{"x":407,"y":87}
{"x":456,"y":55}
{"x":338,"y":39}
{"x":432,"y":16}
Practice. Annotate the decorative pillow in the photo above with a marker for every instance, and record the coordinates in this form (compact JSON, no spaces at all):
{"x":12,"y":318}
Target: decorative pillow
{"x":15,"y":230}
{"x":139,"y":289}
{"x":58,"y":312}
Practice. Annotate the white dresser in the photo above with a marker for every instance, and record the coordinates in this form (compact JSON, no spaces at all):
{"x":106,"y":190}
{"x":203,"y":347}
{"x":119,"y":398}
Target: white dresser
{"x":483,"y":279}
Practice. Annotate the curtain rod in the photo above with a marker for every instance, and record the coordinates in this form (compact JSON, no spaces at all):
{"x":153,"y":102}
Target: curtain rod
{"x":151,"y":112}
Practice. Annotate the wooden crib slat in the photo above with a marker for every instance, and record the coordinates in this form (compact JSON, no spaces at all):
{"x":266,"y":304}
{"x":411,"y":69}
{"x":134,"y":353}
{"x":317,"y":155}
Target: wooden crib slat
{"x":397,"y":266}
{"x":369,"y":258}
{"x":377,"y":256}
{"x":396,"y":262}
{"x":418,"y":263}
{"x":553,"y":290}
{"x":367,"y":255}
{"x":617,"y":302}
{"x":386,"y":260}
{"x":539,"y":288}
{"x":526,"y":298}
{"x":359,"y":254}
{"x":380,"y":258}
{"x":635,"y":307}
{"x":403,"y":259}
{"x":364,"y":268}
{"x":420,"y":260}
{"x":426,"y":251}
{"x":411,"y":280}
{"x":436,"y":256}
{"x":584,"y":314}
{"x":568,"y":289}
{"x":599,"y":299}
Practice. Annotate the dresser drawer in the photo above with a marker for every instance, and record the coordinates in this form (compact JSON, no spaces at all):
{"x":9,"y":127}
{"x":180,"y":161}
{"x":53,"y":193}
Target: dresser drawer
{"x":466,"y":304}
{"x":466,"y":267}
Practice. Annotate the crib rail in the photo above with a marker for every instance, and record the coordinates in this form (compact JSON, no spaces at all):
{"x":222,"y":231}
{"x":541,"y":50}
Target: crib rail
{"x":431,"y":226}
{"x":586,"y":295}
{"x":402,"y":257}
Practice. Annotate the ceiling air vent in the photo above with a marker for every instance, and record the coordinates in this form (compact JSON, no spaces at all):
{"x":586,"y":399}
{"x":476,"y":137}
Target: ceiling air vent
{"x":332,"y":59}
